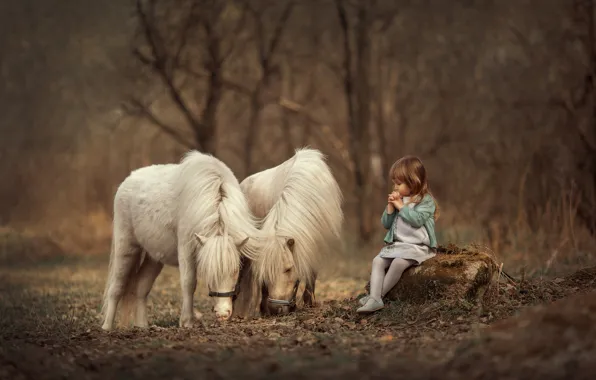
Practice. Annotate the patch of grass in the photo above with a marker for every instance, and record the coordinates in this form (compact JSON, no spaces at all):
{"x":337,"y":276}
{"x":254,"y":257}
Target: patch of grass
{"x":166,"y":321}
{"x":42,"y":315}
{"x":18,"y":248}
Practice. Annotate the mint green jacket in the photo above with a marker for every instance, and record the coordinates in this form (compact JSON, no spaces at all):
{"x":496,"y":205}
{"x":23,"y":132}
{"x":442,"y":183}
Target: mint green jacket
{"x":421,"y":215}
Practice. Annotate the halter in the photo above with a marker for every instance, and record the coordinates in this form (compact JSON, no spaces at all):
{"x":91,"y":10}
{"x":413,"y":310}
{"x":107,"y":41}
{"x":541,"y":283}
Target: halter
{"x":291,"y":302}
{"x":233,"y":293}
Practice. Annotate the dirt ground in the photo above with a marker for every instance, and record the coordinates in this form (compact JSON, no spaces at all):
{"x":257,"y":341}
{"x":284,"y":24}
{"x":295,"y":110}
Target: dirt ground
{"x":50,"y":329}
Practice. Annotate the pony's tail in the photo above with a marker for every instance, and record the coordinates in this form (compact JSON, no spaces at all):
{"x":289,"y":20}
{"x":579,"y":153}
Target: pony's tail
{"x":128,"y":298}
{"x":111,"y":273}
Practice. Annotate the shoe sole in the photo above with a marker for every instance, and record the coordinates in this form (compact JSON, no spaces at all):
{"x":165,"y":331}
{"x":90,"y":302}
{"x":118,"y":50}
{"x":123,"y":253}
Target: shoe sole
{"x":369,"y":311}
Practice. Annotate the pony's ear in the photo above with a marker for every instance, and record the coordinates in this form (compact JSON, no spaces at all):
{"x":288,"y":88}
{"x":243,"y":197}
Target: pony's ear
{"x":290,"y":242}
{"x":200,"y":239}
{"x":243,"y":242}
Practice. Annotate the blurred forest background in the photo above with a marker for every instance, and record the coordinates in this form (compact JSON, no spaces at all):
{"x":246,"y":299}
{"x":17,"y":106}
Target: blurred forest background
{"x":496,"y":96}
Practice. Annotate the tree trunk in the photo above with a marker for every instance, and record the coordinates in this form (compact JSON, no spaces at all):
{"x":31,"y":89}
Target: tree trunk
{"x":381,"y":125}
{"x":252,"y":130}
{"x":205,"y":129}
{"x":288,"y":88}
{"x":363,"y":109}
{"x":356,"y":88}
{"x":587,"y":165}
{"x":588,"y":212}
{"x":206,"y":133}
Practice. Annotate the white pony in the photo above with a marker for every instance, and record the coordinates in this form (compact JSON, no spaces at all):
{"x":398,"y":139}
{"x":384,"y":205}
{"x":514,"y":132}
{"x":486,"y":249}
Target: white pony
{"x":192,"y":215}
{"x":299,"y":202}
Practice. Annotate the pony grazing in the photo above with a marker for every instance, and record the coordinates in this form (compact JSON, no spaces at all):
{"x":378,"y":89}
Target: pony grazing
{"x":192,"y":215}
{"x":299,"y":203}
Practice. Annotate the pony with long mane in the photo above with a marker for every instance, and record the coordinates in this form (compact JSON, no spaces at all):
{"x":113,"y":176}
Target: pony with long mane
{"x":193,"y":215}
{"x":300,"y":205}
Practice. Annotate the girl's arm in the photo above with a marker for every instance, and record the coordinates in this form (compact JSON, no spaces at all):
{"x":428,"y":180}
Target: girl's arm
{"x":387,"y":219}
{"x":418,"y":215}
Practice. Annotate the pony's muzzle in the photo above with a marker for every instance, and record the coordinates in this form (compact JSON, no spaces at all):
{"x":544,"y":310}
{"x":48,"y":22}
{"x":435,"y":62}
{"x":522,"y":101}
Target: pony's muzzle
{"x":223,"y":315}
{"x":224,"y":312}
{"x":280,"y":307}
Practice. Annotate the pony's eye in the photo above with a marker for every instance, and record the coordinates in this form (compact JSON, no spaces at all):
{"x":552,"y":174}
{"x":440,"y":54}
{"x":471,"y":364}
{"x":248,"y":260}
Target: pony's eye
{"x":288,"y":270}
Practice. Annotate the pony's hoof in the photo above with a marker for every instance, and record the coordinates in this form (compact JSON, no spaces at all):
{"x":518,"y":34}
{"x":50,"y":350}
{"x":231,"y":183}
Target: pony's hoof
{"x":186,"y":323}
{"x":106,"y":327}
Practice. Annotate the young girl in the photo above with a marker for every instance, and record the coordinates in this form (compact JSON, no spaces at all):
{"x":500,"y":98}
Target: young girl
{"x":410,"y":240}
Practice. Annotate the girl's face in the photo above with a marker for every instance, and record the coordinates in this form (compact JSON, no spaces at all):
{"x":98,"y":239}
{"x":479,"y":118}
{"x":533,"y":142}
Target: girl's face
{"x":401,"y":188}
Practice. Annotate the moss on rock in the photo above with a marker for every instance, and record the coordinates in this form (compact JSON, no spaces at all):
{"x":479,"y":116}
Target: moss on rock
{"x":454,"y":273}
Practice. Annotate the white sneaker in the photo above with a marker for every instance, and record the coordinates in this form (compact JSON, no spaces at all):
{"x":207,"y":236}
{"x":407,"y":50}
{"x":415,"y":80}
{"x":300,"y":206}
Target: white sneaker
{"x":371,"y":306}
{"x":362,"y":301}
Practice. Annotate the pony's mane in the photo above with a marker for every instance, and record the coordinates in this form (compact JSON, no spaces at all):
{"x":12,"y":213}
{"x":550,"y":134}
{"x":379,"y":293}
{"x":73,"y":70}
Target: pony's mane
{"x":211,"y":204}
{"x":302,"y":200}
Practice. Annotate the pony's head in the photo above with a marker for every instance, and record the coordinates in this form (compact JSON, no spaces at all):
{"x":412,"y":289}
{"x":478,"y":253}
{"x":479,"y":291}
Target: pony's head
{"x":278,"y":269}
{"x":218,"y":262}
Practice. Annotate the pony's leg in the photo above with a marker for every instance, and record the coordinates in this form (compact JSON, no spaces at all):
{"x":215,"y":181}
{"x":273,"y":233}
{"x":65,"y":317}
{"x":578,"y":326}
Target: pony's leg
{"x":308,"y":297}
{"x":188,"y":283}
{"x":126,"y":257}
{"x":148,"y":272}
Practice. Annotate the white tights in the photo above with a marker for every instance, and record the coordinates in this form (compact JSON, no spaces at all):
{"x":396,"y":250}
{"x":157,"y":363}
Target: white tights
{"x":381,"y":282}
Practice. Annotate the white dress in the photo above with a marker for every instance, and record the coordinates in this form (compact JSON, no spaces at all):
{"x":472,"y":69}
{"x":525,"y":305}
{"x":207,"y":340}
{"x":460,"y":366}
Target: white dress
{"x":408,"y":242}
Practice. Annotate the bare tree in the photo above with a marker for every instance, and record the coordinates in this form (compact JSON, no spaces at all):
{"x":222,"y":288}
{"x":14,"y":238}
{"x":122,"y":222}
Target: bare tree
{"x":185,"y":44}
{"x":587,"y":165}
{"x":356,"y":63}
{"x":267,"y":45}
{"x":577,"y":103}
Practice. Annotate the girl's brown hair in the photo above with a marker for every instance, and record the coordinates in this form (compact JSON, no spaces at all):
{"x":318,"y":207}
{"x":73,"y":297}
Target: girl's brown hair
{"x":409,"y":170}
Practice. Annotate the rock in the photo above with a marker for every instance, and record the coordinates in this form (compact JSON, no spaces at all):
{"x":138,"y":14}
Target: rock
{"x":453,"y":274}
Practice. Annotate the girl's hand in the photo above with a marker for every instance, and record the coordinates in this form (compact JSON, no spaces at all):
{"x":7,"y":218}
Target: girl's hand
{"x":390,"y":206}
{"x":398,"y":203}
{"x":393,"y":196}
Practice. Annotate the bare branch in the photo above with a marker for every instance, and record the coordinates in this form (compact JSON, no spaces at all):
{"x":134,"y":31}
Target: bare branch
{"x":159,"y":64}
{"x":235,"y":31}
{"x":567,"y":105}
{"x":185,"y":31}
{"x":277,"y":33}
{"x":324,"y":131}
{"x":258,"y":30}
{"x":265,"y":59}
{"x":266,"y":50}
{"x":135,"y":108}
